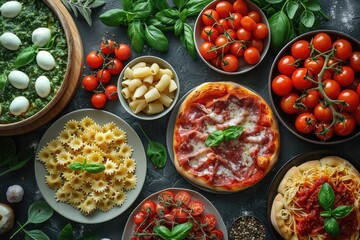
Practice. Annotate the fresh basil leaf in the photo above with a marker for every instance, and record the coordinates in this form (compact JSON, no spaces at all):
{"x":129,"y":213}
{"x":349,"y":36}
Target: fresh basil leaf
{"x":167,"y":16}
{"x":39,"y":212}
{"x":163,"y":27}
{"x":36,"y":234}
{"x":215,"y":138}
{"x":51,"y":43}
{"x":127,"y":5}
{"x":270,"y":11}
{"x":8,"y":150}
{"x":313,"y":5}
{"x":116,"y":17}
{"x":232,"y":132}
{"x":160,"y":4}
{"x":184,"y":14}
{"x":326,"y":213}
{"x":142,"y":10}
{"x":181,"y":231}
{"x":307,"y":18}
{"x":274,"y":1}
{"x":66,"y":233}
{"x":187,"y":40}
{"x":94,"y":168}
{"x":280,"y":29}
{"x":195,"y":6}
{"x":180,"y":4}
{"x":156,"y":39}
{"x":157,"y":154}
{"x":25,"y":57}
{"x":342,"y":211}
{"x":3,"y":81}
{"x":291,"y":8}
{"x":331,"y":226}
{"x":326,"y":196}
{"x":76,"y":166}
{"x":162,"y":232}
{"x":136,"y":35}
{"x":178,"y":27}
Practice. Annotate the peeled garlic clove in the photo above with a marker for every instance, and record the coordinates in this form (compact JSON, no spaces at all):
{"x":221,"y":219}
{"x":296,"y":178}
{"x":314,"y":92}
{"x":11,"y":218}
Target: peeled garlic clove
{"x":11,"y":9}
{"x":42,"y":86}
{"x":41,"y":36}
{"x":45,"y":60}
{"x":10,"y":41}
{"x":19,"y":105}
{"x":18,"y":79}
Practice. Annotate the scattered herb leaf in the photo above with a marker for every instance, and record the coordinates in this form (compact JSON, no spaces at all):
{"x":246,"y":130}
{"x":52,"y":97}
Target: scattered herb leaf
{"x":93,"y":168}
{"x":83,"y":6}
{"x":66,"y":233}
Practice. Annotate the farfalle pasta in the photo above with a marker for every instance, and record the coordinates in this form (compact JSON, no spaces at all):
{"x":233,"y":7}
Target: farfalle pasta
{"x":86,"y":141}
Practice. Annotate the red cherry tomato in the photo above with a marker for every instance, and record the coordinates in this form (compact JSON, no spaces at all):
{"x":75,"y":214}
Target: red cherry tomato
{"x":240,"y":6}
{"x":255,"y":16}
{"x":139,"y":218}
{"x":358,"y":89}
{"x":181,"y":216}
{"x":209,"y":221}
{"x":314,"y":65}
{"x":235,"y":20}
{"x":322,"y":113}
{"x":322,"y":42}
{"x":90,"y":83}
{"x":209,"y":34}
{"x":222,"y":43}
{"x":356,"y":115}
{"x":196,"y":207}
{"x":166,"y":196}
{"x":345,"y":126}
{"x":243,"y":34}
{"x":301,"y":49}
{"x":237,"y":49}
{"x":222,"y":26}
{"x":107,"y":46}
{"x":248,"y":23}
{"x":299,"y":79}
{"x":332,"y":63}
{"x":311,"y":99}
{"x":287,"y":103}
{"x":148,"y":208}
{"x":231,"y":33}
{"x":103,"y":76}
{"x":281,"y":85}
{"x":346,"y":77}
{"x":224,"y":8}
{"x":261,"y":31}
{"x":256,"y":43}
{"x":216,"y":61}
{"x":343,"y":49}
{"x":98,"y":100}
{"x":351,"y":99}
{"x":287,"y":65}
{"x":115,"y":66}
{"x":323,"y":131}
{"x":208,"y":51}
{"x":229,"y":63}
{"x":331,"y":88}
{"x":94,"y":59}
{"x":305,"y":123}
{"x":252,"y":55}
{"x":111,"y":92}
{"x":355,"y":61}
{"x":217,"y":234}
{"x":209,"y":17}
{"x":182,"y":197}
{"x":326,"y":75}
{"x":123,"y":52}
{"x":161,"y":210}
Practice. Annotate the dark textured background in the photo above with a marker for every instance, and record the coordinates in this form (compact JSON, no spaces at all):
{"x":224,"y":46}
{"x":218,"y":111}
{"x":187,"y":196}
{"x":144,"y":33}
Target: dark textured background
{"x":344,"y":16}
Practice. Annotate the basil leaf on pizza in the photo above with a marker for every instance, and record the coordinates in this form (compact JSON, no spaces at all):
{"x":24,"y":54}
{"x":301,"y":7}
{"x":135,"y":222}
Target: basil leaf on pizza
{"x":215,"y":138}
{"x":232,"y":132}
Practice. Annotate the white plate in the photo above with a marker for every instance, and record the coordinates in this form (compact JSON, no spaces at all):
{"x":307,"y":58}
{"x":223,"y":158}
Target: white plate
{"x":209,"y":208}
{"x":133,"y":139}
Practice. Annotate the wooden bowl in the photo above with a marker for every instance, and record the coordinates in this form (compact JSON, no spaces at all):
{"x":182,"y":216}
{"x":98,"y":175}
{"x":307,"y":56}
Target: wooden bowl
{"x":70,"y":82}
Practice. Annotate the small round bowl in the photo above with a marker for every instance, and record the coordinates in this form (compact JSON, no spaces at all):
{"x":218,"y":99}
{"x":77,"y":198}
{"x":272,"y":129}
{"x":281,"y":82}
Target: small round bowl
{"x":247,"y":227}
{"x":243,"y":66}
{"x":288,"y":120}
{"x":149,"y":60}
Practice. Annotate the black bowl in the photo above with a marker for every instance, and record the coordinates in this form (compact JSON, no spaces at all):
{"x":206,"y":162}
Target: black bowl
{"x":289,"y":120}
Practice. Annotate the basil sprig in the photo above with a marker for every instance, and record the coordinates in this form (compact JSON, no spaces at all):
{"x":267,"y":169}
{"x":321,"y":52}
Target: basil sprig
{"x":179,"y":232}
{"x":326,"y":199}
{"x":218,"y":136}
{"x":89,"y":167}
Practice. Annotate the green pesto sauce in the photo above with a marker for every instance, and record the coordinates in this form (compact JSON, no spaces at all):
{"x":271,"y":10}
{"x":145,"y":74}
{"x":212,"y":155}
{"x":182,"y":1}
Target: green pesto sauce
{"x":34,"y":14}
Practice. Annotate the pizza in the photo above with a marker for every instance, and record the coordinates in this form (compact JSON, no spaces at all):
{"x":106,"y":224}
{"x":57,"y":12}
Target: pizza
{"x":236,"y":162}
{"x":299,"y":211}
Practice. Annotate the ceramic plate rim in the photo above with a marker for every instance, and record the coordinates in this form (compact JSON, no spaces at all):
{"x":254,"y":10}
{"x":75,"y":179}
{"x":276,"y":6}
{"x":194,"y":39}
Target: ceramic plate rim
{"x":65,"y":209}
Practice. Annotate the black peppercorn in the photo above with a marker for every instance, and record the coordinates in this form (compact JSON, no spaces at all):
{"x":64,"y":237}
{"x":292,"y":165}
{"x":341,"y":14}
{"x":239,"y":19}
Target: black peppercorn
{"x":247,"y":228}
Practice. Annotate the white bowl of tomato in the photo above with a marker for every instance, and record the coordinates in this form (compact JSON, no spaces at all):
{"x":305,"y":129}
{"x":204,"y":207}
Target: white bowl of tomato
{"x":314,"y":86}
{"x":172,"y":212}
{"x":232,"y":36}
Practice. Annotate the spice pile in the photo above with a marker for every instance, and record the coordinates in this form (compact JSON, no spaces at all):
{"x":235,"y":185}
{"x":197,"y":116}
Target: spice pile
{"x":247,"y":228}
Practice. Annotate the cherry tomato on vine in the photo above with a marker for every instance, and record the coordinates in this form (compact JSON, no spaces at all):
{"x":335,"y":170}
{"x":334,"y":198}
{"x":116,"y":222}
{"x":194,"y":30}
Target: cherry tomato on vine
{"x":287,"y":65}
{"x":343,"y":49}
{"x":300,"y":79}
{"x":222,"y":26}
{"x":107,"y":46}
{"x":196,"y":207}
{"x":248,"y":23}
{"x":281,"y":85}
{"x":224,"y":8}
{"x":345,"y":126}
{"x":94,"y":59}
{"x":305,"y":123}
{"x":209,"y":17}
{"x":314,"y":65}
{"x":182,"y":197}
{"x":90,"y":83}
{"x":111,"y":92}
{"x":122,"y":52}
{"x":222,"y":43}
{"x":351,"y":99}
{"x":237,"y":49}
{"x":209,"y":220}
{"x":332,"y":63}
{"x":181,"y":216}
{"x":235,"y":20}
{"x":323,"y":131}
{"x":243,"y":34}
{"x":261,"y":31}
{"x":217,"y":234}
{"x":287,"y":103}
{"x":255,"y":16}
{"x":229,"y":63}
{"x":232,"y":33}
{"x":301,"y":49}
{"x":322,"y":42}
{"x":331,"y":88}
{"x":256,"y":43}
{"x":240,"y":6}
{"x":103,"y":75}
{"x":355,"y":61}
{"x":209,"y":34}
{"x":115,"y":66}
{"x":139,"y":218}
{"x":326,"y":75}
{"x":166,"y":196}
{"x":310,"y":99}
{"x":216,"y":61}
{"x":98,"y":100}
{"x":322,"y":113}
{"x":208,"y":50}
{"x":148,"y":208}
{"x":345,"y":77}
{"x":252,"y":55}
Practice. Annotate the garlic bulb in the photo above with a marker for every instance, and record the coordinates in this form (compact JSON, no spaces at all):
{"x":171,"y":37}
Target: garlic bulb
{"x":41,"y":36}
{"x":10,"y":41}
{"x":11,"y":9}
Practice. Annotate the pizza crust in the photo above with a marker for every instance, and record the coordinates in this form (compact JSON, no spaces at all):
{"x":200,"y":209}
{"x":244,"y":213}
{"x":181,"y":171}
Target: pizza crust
{"x":211,"y":90}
